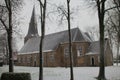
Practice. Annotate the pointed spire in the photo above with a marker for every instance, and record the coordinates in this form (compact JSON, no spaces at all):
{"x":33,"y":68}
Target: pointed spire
{"x":32,"y":31}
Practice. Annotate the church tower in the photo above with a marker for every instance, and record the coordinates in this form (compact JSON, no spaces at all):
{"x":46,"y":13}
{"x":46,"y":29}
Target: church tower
{"x":32,"y":31}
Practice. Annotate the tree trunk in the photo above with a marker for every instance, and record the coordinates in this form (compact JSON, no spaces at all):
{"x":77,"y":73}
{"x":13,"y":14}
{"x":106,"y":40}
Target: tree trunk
{"x":101,"y":9}
{"x":41,"y":59}
{"x":70,"y":44}
{"x":10,"y":52}
{"x":43,"y":15}
{"x":7,"y":54}
{"x":10,"y":39}
{"x":102,"y":66}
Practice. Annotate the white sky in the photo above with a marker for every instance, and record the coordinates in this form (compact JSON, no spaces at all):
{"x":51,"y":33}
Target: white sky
{"x":83,"y":17}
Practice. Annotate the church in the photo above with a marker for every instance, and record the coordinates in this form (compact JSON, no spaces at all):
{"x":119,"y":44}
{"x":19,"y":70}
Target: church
{"x":85,"y":50}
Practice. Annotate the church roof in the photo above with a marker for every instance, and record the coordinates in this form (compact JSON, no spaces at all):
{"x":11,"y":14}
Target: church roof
{"x":51,"y":41}
{"x":94,"y":47}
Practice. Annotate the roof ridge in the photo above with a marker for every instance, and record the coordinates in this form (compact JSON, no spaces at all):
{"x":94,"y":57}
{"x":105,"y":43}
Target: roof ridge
{"x":60,"y":32}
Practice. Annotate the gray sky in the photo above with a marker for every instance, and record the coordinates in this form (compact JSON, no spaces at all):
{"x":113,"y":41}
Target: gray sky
{"x":83,"y":17}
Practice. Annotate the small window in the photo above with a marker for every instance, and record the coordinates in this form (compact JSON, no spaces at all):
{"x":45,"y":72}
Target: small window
{"x":79,"y":51}
{"x":52,"y":58}
{"x":23,"y":59}
{"x":31,"y":59}
{"x":19,"y":60}
{"x":98,"y":58}
{"x":28,"y":59}
{"x":66,"y":52}
{"x":35,"y":58}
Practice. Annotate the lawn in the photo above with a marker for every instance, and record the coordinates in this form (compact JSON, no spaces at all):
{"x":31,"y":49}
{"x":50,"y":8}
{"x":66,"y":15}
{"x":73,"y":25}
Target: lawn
{"x":60,"y":73}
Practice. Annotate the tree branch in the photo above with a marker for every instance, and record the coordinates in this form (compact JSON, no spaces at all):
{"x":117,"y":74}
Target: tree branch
{"x":2,"y":6}
{"x":41,"y":3}
{"x":6,"y":2}
{"x":4,"y":24}
{"x":112,"y":8}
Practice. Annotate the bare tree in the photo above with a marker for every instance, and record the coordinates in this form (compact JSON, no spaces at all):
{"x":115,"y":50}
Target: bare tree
{"x":113,"y":25}
{"x":101,"y":15}
{"x":43,"y":19}
{"x":65,"y":14}
{"x":6,"y":18}
{"x":100,"y":4}
{"x":70,"y":41}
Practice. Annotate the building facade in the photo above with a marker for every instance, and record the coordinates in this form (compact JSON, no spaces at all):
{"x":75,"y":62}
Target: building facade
{"x":85,"y":51}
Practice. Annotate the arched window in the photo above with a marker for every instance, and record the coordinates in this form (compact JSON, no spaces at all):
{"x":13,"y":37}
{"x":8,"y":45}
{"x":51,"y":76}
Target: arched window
{"x":66,"y":52}
{"x":51,"y":57}
{"x":79,"y":51}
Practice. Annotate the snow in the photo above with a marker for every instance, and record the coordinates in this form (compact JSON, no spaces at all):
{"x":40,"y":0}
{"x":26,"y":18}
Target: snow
{"x":60,"y":73}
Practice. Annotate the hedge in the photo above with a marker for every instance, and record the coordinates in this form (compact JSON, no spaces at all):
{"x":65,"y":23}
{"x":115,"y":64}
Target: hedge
{"x":15,"y":76}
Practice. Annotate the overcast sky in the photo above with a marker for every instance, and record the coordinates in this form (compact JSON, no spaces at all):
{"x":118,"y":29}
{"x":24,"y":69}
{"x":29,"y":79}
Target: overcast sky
{"x":83,"y":16}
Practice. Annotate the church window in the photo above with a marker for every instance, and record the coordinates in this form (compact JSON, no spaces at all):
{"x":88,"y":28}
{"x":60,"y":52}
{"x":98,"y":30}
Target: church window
{"x":31,"y":59}
{"x":79,"y":51}
{"x":52,"y":58}
{"x":35,"y":58}
{"x":66,"y":52}
{"x":23,"y":59}
{"x":19,"y":59}
{"x":28,"y":59}
{"x":98,"y":58}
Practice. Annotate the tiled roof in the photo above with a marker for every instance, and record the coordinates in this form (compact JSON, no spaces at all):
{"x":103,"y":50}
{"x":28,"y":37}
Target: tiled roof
{"x":51,"y":41}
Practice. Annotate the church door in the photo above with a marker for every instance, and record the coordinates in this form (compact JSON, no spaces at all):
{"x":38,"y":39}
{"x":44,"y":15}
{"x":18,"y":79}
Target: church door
{"x":92,"y":61}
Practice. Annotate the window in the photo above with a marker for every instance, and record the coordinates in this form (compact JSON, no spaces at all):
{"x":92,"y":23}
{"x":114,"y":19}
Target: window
{"x":66,"y":52}
{"x":23,"y":60}
{"x":19,"y":60}
{"x":51,"y":58}
{"x":98,"y":58}
{"x":29,"y":59}
{"x":35,"y":58}
{"x":79,"y":51}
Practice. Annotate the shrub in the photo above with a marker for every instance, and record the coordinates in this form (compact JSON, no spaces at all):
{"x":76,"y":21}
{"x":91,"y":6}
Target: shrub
{"x":15,"y":76}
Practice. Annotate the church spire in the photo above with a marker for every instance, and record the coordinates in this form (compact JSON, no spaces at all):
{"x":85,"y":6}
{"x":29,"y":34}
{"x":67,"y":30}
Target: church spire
{"x":32,"y":31}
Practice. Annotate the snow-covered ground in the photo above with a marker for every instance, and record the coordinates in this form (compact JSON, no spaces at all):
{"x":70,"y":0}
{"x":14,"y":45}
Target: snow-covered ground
{"x":59,"y":73}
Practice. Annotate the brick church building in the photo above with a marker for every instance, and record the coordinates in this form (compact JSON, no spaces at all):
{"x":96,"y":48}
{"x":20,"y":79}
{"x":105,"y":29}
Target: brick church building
{"x":55,"y":51}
